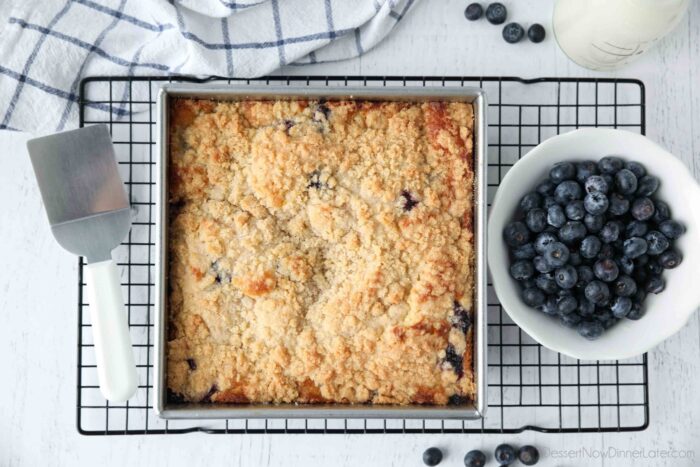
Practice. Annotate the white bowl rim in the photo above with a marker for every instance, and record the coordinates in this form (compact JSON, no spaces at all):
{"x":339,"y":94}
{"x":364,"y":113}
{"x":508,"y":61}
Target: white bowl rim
{"x":514,"y":307}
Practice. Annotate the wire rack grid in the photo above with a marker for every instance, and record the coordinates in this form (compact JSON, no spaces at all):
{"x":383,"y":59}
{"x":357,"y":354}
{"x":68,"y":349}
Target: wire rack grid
{"x":529,"y":386}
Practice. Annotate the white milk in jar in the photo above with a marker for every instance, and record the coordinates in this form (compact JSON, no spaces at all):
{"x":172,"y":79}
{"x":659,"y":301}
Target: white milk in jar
{"x":607,"y":34}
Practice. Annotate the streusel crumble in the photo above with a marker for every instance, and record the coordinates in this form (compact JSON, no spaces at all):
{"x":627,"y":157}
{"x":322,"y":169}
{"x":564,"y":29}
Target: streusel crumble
{"x":320,"y":252}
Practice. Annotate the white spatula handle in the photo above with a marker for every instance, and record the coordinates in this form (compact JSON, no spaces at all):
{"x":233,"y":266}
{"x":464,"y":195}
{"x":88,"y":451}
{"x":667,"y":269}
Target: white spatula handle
{"x":116,"y":371}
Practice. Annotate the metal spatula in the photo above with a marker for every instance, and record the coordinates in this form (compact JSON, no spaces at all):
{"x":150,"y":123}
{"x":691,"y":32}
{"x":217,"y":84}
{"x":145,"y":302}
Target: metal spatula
{"x":89,"y":215}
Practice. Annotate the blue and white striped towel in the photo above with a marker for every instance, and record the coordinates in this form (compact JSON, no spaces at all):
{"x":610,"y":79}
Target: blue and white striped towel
{"x":47,"y":46}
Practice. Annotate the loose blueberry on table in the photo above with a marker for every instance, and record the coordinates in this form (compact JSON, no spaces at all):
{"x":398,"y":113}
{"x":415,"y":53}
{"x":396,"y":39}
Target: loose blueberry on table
{"x":536,"y":33}
{"x":505,"y":454}
{"x":513,"y":32}
{"x":528,"y":455}
{"x":496,"y":13}
{"x":591,"y":241}
{"x":432,"y":456}
{"x":475,"y":458}
{"x":473,"y":11}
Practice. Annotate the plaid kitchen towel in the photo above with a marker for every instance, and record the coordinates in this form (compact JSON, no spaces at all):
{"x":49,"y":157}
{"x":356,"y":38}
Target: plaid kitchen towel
{"x":47,"y":46}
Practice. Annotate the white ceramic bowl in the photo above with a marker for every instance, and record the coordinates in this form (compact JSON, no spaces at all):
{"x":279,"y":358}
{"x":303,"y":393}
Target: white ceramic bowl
{"x":666,"y":312}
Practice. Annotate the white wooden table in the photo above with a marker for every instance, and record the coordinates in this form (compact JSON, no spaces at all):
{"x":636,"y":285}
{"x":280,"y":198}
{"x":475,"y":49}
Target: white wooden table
{"x":38,"y":293}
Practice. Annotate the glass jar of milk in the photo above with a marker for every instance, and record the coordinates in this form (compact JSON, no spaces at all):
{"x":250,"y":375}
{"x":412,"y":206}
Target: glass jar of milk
{"x":607,"y":34}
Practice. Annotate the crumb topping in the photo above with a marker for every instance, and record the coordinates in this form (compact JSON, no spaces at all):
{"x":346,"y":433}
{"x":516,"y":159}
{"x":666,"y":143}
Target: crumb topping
{"x":320,"y":252}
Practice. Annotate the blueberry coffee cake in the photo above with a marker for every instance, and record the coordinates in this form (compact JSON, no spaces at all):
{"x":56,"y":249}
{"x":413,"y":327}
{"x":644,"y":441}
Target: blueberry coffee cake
{"x":320,"y":251}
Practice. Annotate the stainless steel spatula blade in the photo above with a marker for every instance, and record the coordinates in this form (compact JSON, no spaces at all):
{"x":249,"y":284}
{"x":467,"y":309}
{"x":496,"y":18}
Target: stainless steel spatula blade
{"x":83,"y":194}
{"x":89,"y":215}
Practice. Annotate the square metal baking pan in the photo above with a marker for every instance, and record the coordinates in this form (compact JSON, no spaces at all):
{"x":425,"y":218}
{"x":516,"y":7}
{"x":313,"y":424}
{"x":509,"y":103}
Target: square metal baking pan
{"x":471,"y":410}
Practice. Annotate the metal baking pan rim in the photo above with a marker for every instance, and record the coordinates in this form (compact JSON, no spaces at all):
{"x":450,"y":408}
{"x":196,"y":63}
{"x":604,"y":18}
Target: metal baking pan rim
{"x":473,"y":410}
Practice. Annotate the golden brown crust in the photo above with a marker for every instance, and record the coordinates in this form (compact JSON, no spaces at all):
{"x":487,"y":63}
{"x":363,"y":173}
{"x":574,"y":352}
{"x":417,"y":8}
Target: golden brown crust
{"x":321,"y":252}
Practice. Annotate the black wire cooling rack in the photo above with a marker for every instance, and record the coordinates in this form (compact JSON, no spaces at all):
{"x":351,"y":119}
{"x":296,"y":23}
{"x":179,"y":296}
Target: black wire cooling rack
{"x":529,"y":387}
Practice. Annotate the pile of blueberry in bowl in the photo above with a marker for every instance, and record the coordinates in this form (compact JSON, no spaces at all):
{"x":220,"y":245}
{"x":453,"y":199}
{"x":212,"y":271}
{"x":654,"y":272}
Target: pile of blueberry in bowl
{"x":591,"y":241}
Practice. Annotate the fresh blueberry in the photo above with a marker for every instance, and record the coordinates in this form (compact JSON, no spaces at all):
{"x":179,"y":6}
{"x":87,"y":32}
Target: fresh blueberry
{"x":636,"y":168}
{"x":504,"y":454}
{"x":669,"y":259}
{"x":647,"y":185}
{"x":570,"y":320}
{"x":591,"y":330}
{"x":549,"y":307}
{"x":658,"y":243}
{"x":641,"y":261}
{"x":624,"y":286}
{"x":528,"y":283}
{"x":607,"y":324}
{"x":473,"y":11}
{"x":654,"y":268}
{"x":590,"y":247}
{"x":606,"y":251}
{"x":522,"y":269}
{"x":635,"y":247}
{"x":602,"y":314}
{"x":432,"y":456}
{"x":585,"y":273}
{"x":567,"y":191}
{"x":526,"y":251}
{"x":544,"y":239}
{"x":661,"y":212}
{"x":548,"y":202}
{"x":556,"y":216}
{"x":585,"y":169}
{"x":575,"y":258}
{"x":546,"y":283}
{"x":528,"y":455}
{"x":513,"y":33}
{"x":655,"y":284}
{"x":531,"y":201}
{"x":639,"y":296}
{"x":533,"y":297}
{"x":621,"y":306}
{"x":640,"y":275}
{"x":626,"y":182}
{"x":566,"y":304}
{"x":586,"y":308}
{"x":541,"y":265}
{"x":610,"y":232}
{"x":496,"y":13}
{"x":562,"y":171}
{"x":626,"y":265}
{"x":596,"y":202}
{"x":594,"y":222}
{"x":556,"y":254}
{"x":606,"y":270}
{"x":536,"y":220}
{"x":671,"y":229}
{"x":575,"y":210}
{"x":619,"y":205}
{"x":597,"y":292}
{"x":610,"y":165}
{"x":572,"y":231}
{"x":566,"y":276}
{"x":609,"y":179}
{"x":642,"y":209}
{"x":536,"y":33}
{"x":474,"y":458}
{"x":546,"y":188}
{"x":636,"y":312}
{"x":596,"y":184}
{"x":636,"y":229}
{"x":516,"y":234}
